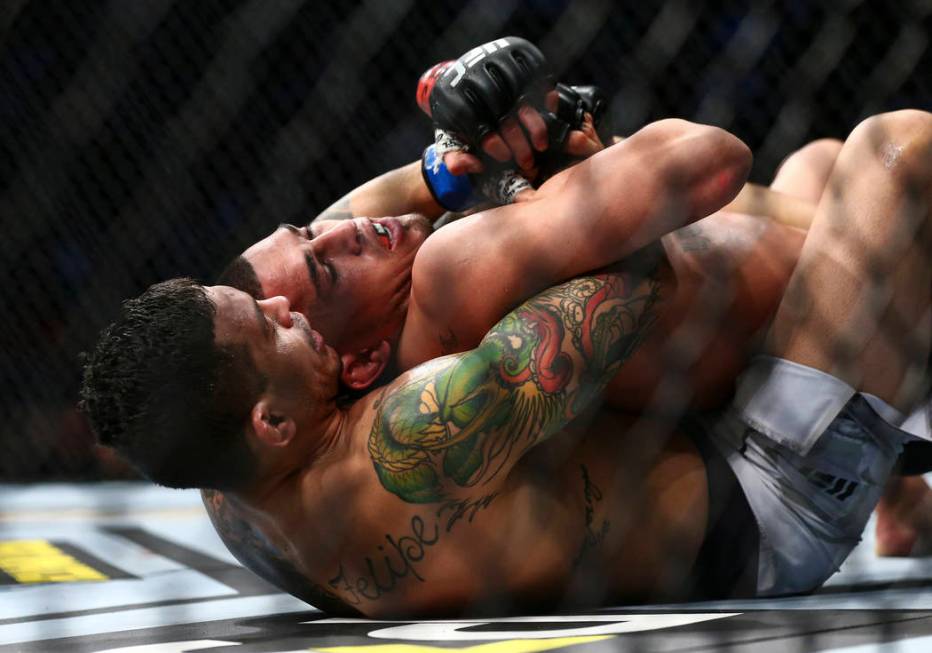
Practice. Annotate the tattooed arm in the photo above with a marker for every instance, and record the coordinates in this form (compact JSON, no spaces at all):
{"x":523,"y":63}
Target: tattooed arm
{"x":255,"y":552}
{"x":397,"y":192}
{"x":460,"y":423}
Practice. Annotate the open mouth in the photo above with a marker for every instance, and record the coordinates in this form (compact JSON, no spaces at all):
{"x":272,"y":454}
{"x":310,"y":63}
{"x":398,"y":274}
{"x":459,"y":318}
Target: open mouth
{"x":384,"y":235}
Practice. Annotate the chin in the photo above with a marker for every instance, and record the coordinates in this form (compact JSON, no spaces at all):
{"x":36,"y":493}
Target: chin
{"x":417,"y":222}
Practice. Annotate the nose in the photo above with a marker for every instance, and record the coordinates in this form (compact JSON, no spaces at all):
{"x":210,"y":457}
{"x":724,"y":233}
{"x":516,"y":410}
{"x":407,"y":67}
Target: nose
{"x":343,"y":238}
{"x":278,"y":309}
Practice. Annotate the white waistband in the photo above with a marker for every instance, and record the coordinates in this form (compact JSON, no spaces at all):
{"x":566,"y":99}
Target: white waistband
{"x":790,"y":403}
{"x":793,"y":404}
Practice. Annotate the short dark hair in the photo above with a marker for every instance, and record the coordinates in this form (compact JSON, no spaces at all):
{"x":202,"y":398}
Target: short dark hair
{"x":159,"y":390}
{"x":241,"y":275}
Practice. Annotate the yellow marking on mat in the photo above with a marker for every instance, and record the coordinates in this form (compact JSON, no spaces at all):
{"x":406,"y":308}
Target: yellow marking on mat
{"x":38,"y":561}
{"x":506,"y":646}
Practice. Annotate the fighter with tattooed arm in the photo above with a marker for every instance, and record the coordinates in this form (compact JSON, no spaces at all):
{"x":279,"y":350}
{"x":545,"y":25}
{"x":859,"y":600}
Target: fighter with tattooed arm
{"x":339,"y":500}
{"x":728,"y":272}
{"x":452,"y":489}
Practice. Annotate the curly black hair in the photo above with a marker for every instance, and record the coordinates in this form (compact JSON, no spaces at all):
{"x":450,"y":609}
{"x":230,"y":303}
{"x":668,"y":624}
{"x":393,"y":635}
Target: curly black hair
{"x":160,"y":391}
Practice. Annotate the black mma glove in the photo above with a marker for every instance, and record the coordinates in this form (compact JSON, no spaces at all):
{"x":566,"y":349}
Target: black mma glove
{"x":473,"y":94}
{"x":573,"y":103}
{"x":468,"y":98}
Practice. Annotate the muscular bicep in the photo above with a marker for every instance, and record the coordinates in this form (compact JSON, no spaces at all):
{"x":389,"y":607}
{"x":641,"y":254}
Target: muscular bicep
{"x":458,"y":424}
{"x":468,"y":275}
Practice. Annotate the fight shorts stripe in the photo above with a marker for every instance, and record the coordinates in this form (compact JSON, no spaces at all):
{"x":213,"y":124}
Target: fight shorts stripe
{"x":812,"y":456}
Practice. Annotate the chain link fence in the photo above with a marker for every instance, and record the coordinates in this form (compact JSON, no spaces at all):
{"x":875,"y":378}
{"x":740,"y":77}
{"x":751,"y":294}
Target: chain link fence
{"x":156,"y":138}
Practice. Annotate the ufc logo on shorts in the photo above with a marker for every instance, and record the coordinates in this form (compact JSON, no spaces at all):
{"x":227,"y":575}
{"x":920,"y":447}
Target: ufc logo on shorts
{"x":834,"y":486}
{"x":471,"y":58}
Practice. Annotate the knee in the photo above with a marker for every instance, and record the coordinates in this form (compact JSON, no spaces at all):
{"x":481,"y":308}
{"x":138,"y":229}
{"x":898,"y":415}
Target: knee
{"x":901,"y":140}
{"x":805,"y":172}
{"x":817,"y":155}
{"x":823,"y":151}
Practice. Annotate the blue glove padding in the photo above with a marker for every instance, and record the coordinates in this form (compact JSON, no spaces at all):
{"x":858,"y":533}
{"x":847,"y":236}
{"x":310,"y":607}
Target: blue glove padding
{"x":452,"y":192}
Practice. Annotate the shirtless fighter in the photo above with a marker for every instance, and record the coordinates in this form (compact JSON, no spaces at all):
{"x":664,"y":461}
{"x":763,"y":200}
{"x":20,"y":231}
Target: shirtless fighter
{"x":728,"y":273}
{"x":451,"y":490}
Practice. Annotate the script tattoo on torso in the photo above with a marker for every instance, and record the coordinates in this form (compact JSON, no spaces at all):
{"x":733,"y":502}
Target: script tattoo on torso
{"x":398,"y":557}
{"x":592,"y":538}
{"x":398,"y":560}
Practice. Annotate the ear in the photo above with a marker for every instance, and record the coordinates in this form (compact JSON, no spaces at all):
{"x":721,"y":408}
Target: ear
{"x":272,"y":427}
{"x":362,"y":368}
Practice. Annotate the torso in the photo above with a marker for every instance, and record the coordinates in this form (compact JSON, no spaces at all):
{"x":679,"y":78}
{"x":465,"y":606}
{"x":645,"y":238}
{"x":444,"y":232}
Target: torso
{"x":571,"y":518}
{"x":569,"y":521}
{"x":727,"y":274}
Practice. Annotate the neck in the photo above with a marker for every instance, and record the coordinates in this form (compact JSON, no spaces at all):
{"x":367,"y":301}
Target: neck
{"x":357,"y":424}
{"x":315,"y":443}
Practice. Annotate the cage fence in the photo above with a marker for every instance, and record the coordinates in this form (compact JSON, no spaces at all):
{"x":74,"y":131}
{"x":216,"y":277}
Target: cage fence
{"x":159,"y":138}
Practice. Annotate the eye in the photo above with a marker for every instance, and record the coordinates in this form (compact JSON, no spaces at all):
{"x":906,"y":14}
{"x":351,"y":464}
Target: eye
{"x":331,"y":270}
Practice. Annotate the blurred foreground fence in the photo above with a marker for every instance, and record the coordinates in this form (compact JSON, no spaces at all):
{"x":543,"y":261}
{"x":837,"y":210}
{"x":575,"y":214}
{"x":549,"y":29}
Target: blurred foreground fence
{"x":153,"y":138}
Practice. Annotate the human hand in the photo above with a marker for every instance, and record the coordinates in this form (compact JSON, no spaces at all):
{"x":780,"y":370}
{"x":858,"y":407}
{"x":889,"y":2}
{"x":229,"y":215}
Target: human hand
{"x":496,"y":121}
{"x":578,"y":143}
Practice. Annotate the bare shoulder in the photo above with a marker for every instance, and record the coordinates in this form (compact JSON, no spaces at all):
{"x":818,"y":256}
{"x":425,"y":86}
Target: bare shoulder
{"x":425,"y":335}
{"x":256,"y":552}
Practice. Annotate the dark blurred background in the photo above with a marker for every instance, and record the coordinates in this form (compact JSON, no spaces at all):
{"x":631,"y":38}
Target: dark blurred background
{"x":145,"y":139}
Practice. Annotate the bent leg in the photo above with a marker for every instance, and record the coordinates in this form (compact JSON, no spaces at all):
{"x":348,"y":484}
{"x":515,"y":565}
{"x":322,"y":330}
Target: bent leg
{"x":811,"y":452}
{"x":805,"y":172}
{"x":857,"y":305}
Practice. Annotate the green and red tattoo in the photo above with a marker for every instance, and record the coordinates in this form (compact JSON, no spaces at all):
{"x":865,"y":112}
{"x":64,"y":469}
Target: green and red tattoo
{"x":461,"y":421}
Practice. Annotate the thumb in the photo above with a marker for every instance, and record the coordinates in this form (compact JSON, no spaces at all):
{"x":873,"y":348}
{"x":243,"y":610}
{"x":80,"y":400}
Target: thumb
{"x":585,"y":141}
{"x":461,"y":163}
{"x":525,"y":195}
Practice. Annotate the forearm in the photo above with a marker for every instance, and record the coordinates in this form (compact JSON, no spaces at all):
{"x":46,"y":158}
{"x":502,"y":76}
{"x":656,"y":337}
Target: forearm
{"x":468,"y":275}
{"x":596,"y":213}
{"x":764,"y":201}
{"x":664,"y":177}
{"x":396,"y":192}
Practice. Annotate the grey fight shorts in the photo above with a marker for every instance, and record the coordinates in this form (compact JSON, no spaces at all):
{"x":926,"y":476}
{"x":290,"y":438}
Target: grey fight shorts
{"x":812,"y":456}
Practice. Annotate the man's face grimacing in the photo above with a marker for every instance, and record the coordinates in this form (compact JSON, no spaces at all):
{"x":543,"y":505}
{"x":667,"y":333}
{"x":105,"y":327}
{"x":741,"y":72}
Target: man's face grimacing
{"x":350,"y":278}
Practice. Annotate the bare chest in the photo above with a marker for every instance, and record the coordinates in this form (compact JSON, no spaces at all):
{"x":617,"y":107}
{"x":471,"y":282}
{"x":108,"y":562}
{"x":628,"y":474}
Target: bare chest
{"x":579,"y":521}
